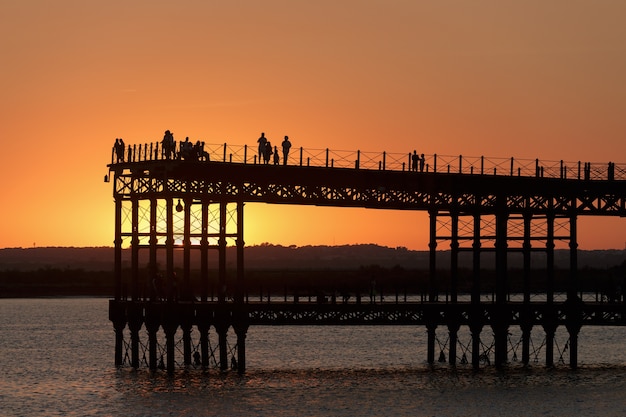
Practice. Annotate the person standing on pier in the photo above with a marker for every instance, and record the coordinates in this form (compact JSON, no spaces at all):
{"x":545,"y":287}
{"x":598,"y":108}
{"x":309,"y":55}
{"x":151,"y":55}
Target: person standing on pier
{"x":415,"y":160}
{"x":276,"y":157}
{"x":267,"y":152}
{"x":262,"y":142}
{"x":286,"y":147}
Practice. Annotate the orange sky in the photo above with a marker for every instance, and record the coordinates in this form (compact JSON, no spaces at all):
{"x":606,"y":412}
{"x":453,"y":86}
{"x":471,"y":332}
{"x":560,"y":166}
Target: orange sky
{"x":529,"y":79}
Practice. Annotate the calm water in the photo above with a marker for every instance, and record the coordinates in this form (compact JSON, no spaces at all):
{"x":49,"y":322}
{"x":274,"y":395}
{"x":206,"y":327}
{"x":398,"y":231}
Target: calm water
{"x":56,"y":358}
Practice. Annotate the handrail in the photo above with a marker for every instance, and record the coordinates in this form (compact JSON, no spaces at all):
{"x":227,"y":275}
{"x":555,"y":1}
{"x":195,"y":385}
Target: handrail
{"x":332,"y":158}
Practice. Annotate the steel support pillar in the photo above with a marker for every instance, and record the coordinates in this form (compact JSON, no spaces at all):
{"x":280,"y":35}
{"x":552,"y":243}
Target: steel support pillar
{"x":117,"y":261}
{"x":454,"y":256}
{"x":135,"y":250}
{"x":549,"y":324}
{"x":432,"y":245}
{"x":204,"y":253}
{"x":526,"y":314}
{"x":476,"y":315}
{"x":500,"y":322}
{"x":152,"y":269}
{"x":574,"y":303}
{"x":169,"y":248}
{"x":186,"y":292}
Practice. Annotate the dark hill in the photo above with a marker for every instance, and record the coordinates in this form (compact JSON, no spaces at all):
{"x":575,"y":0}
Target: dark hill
{"x":267,"y":256}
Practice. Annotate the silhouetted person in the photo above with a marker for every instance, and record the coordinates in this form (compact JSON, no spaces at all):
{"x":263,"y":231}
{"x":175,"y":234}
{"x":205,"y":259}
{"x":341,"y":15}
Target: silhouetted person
{"x":422,"y":162}
{"x":267,"y":153}
{"x":186,"y":148}
{"x":276,"y":157}
{"x":415,"y":160}
{"x":262,"y":142}
{"x":286,"y":147}
{"x":119,"y":150}
{"x":168,"y":146}
{"x":123,"y":149}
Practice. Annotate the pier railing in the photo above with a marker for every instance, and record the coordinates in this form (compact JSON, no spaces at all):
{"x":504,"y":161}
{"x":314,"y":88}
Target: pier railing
{"x":332,"y":158}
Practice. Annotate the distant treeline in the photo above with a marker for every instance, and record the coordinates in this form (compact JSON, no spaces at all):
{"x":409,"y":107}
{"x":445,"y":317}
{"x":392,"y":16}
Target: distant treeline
{"x":268,"y":256}
{"x":388,"y":280}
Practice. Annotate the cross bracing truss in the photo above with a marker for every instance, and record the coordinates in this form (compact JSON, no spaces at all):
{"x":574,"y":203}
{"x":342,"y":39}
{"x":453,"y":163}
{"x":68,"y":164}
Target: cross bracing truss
{"x":460,"y":193}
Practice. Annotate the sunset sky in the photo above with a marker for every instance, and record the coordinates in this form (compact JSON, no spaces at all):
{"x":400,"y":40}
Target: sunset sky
{"x":525,"y":79}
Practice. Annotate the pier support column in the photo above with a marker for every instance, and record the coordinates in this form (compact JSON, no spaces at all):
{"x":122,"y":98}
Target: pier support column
{"x":526,"y":314}
{"x":153,"y":319}
{"x":134,"y":324}
{"x":432,"y":245}
{"x":186,"y":327}
{"x":187,"y":293}
{"x":526,"y":326}
{"x":574,"y":304}
{"x":153,"y":284}
{"x":549,"y":319}
{"x":549,"y":326}
{"x":204,"y":253}
{"x":135,"y":250}
{"x":170,"y":326}
{"x":240,"y":326}
{"x":117,"y":268}
{"x":221,"y":326}
{"x":119,"y":326}
{"x":431,"y":328}
{"x":454,"y":324}
{"x":500,"y":315}
{"x":454,"y":256}
{"x":204,"y":345}
{"x":476,"y":328}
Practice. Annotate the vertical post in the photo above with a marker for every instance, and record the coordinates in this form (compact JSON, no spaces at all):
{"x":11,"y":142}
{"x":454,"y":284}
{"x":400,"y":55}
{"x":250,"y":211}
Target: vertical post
{"x":222,"y":253}
{"x":187,"y":293}
{"x":500,"y":321}
{"x":549,"y":319}
{"x":454,"y":255}
{"x":169,"y":247}
{"x":240,"y":288}
{"x":574,"y":304}
{"x":526,"y":319}
{"x":476,"y":318}
{"x":432,"y":245}
{"x":431,"y":324}
{"x":204,"y":255}
{"x":152,"y":276}
{"x":117,"y":267}
{"x":135,"y":250}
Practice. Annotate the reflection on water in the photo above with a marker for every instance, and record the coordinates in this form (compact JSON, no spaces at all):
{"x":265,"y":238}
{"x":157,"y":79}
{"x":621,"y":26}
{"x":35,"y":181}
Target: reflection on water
{"x":56,"y":358}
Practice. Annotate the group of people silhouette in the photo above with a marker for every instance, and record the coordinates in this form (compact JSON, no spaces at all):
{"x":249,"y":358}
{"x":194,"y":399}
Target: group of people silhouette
{"x":417,"y":162}
{"x":119,"y":147}
{"x":266,"y":150}
{"x":187,"y":150}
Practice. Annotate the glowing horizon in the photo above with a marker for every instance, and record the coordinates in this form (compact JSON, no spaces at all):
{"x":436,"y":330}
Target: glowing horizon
{"x":524,"y":80}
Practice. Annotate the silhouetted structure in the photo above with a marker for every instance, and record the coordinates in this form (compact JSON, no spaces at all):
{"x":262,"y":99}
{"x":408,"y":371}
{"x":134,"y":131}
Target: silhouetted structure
{"x":164,"y":204}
